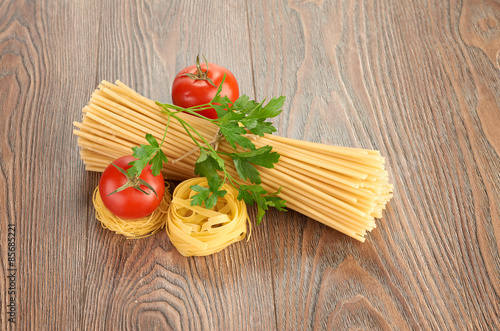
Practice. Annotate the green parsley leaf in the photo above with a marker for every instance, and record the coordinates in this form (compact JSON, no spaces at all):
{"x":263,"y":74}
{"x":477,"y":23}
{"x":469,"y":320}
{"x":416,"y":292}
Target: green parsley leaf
{"x":235,"y":134}
{"x":243,"y":102}
{"x":260,"y":214}
{"x":199,"y":199}
{"x":221,"y":105}
{"x":211,"y":201}
{"x":203,"y":156}
{"x":252,"y":194}
{"x":243,"y":162}
{"x":249,"y":193}
{"x":229,"y":117}
{"x":262,"y":128}
{"x":246,"y":170}
{"x":272,"y":109}
{"x":147,"y":154}
{"x":250,"y":123}
{"x":218,"y":159}
{"x":157,"y":162}
{"x":276,"y":202}
{"x":205,"y":196}
{"x":143,"y":154}
{"x":261,"y":156}
{"x":206,"y":166}
{"x":151,"y":140}
{"x":143,"y":151}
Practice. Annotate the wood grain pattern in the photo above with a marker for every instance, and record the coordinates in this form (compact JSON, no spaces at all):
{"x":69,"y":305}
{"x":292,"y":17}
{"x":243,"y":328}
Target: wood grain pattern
{"x":44,"y":72}
{"x":396,"y":77}
{"x":418,"y":80}
{"x":479,"y":27}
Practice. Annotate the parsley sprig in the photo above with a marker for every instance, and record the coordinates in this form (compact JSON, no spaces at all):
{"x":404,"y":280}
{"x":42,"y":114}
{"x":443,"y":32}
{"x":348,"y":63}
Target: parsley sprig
{"x":235,"y":121}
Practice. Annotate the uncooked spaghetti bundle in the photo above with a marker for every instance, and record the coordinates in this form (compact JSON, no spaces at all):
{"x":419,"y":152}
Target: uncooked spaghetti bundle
{"x":198,"y":231}
{"x":344,"y":188}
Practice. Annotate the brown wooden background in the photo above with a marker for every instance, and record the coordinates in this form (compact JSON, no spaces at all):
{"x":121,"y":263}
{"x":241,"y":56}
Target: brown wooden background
{"x":419,"y":80}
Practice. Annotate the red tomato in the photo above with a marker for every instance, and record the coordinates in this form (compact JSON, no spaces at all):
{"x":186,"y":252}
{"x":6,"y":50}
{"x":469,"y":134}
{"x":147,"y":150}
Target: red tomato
{"x":130,"y":203}
{"x":195,"y":89}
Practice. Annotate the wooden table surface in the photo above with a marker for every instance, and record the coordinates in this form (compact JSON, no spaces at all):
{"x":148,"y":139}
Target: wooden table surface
{"x":418,"y":80}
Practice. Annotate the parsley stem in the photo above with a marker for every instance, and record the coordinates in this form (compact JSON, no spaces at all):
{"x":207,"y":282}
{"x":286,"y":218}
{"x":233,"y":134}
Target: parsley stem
{"x":191,"y":110}
{"x":189,"y":132}
{"x":166,"y":129}
{"x":223,"y":153}
{"x":199,"y":115}
{"x":232,"y":180}
{"x":185,"y":123}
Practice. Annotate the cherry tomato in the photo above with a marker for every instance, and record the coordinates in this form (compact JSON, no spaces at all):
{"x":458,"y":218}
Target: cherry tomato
{"x":193,"y":86}
{"x":130,"y":203}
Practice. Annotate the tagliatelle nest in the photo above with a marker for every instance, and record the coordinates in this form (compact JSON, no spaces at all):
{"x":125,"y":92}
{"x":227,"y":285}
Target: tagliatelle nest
{"x":197,"y":231}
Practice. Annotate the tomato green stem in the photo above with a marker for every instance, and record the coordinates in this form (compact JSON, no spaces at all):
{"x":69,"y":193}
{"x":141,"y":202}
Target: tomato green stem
{"x":200,"y":74}
{"x":134,"y":182}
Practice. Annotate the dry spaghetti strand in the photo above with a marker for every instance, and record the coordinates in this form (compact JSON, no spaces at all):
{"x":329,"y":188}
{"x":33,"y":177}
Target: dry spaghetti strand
{"x":132,"y":229}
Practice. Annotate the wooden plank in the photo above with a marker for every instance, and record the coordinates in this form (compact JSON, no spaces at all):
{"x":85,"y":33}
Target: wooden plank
{"x":396,"y":77}
{"x":46,"y":74}
{"x":146,"y":284}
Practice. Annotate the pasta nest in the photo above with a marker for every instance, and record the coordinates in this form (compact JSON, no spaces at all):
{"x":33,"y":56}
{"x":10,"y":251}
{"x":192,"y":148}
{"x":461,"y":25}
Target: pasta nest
{"x":197,"y":231}
{"x":132,"y":229}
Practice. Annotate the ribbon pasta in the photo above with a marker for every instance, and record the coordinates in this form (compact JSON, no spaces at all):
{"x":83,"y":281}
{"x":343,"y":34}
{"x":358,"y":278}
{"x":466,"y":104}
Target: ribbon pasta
{"x":197,"y":231}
